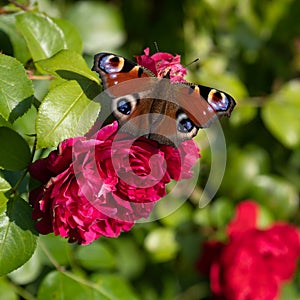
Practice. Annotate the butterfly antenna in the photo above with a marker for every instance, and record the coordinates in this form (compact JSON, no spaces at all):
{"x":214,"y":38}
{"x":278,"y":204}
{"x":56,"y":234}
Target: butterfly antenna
{"x":156,"y":46}
{"x":192,"y":62}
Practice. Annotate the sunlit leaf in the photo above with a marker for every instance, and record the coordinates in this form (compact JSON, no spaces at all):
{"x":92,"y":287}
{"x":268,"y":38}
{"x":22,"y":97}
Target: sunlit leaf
{"x":4,"y":185}
{"x":161,"y":244}
{"x":67,"y":64}
{"x":7,"y":293}
{"x":281,"y":114}
{"x":65,"y":112}
{"x":43,"y":36}
{"x":16,"y":89}
{"x":8,"y":25}
{"x":71,"y":35}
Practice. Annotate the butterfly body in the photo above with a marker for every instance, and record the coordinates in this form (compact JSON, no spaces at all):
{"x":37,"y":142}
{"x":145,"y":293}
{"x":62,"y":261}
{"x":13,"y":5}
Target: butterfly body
{"x":156,"y":108}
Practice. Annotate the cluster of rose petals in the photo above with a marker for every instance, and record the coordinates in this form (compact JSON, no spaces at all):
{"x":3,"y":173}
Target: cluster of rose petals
{"x":255,"y":262}
{"x":163,"y":65}
{"x":98,"y":186}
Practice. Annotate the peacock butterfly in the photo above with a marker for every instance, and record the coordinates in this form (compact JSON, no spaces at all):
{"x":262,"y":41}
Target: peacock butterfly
{"x":145,"y":105}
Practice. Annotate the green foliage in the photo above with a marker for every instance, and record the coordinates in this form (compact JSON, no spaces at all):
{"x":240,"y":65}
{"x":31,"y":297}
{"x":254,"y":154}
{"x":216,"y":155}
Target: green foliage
{"x":17,"y":234}
{"x":248,"y":48}
{"x":60,"y":113}
{"x":16,"y":89}
{"x":57,"y":285}
{"x":96,"y":256}
{"x":14,"y":152}
{"x":99,"y":25}
{"x":281,"y":114}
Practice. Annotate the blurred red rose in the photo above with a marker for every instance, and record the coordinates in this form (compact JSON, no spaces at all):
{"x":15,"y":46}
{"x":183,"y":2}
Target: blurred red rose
{"x":163,"y":64}
{"x":254,"y":262}
{"x":99,"y":186}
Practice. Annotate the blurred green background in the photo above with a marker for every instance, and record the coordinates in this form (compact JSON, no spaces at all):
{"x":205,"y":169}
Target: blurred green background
{"x":250,"y":49}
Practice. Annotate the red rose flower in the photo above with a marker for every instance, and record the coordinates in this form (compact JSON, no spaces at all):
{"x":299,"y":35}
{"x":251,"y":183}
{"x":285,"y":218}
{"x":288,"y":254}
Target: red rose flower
{"x":163,"y":65}
{"x":254,"y":262}
{"x":99,"y":186}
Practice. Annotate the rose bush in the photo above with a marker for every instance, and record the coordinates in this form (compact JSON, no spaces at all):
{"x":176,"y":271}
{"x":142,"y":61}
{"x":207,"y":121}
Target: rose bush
{"x":101,"y":183}
{"x":254,"y":262}
{"x":99,"y":186}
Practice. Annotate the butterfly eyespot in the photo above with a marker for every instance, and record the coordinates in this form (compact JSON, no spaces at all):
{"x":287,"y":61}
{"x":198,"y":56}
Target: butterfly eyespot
{"x":218,"y":100}
{"x":124,"y":106}
{"x":111,"y":63}
{"x":114,"y":59}
{"x":184,"y":124}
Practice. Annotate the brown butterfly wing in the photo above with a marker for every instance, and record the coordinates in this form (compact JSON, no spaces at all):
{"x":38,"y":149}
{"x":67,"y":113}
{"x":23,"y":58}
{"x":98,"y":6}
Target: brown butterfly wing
{"x":203,"y":104}
{"x":114,"y":69}
{"x":158,"y":108}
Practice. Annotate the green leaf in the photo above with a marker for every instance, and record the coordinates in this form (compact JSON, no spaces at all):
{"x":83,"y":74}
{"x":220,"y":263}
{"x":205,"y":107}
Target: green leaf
{"x":243,"y":114}
{"x":7,"y":293}
{"x":67,"y":64}
{"x":202,"y":216}
{"x":99,"y":24}
{"x":58,"y":285}
{"x":4,"y":185}
{"x":177,"y":217}
{"x":289,"y":291}
{"x":65,"y":112}
{"x":57,"y":246}
{"x":96,"y":256}
{"x":281,"y":114}
{"x":8,"y":25}
{"x":161,"y":244}
{"x":17,"y":234}
{"x":115,"y":287}
{"x":25,"y":125}
{"x":5,"y":123}
{"x":130,"y":260}
{"x":28,"y":272}
{"x":245,"y":165}
{"x":275,"y":193}
{"x":14,"y":151}
{"x":221,"y":212}
{"x":16,"y":89}
{"x":44,"y":38}
{"x":72,"y":37}
{"x":3,"y":203}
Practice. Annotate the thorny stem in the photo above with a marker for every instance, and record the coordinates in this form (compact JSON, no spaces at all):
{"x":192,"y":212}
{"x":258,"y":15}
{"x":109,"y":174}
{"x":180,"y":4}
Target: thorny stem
{"x":69,"y":274}
{"x":22,"y":292}
{"x":31,"y":76}
{"x":51,"y":258}
{"x":23,"y":7}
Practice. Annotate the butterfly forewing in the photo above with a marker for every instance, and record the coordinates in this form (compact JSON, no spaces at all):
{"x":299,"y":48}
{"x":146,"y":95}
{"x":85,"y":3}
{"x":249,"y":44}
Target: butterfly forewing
{"x":114,"y":69}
